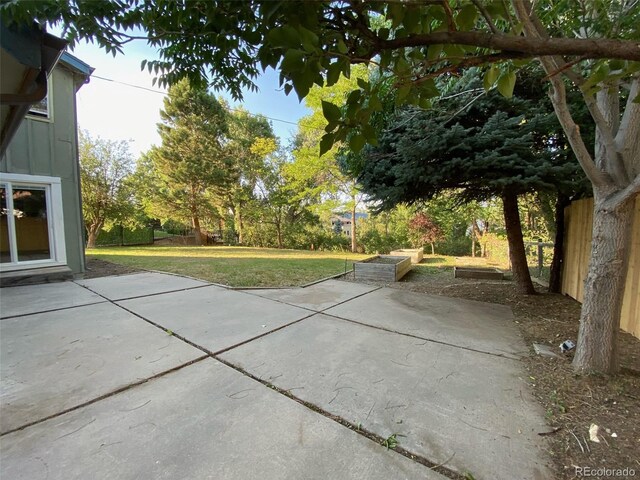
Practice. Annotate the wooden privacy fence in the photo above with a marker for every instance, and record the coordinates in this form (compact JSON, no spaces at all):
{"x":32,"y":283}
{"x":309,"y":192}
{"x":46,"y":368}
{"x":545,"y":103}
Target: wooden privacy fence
{"x":578,"y":223}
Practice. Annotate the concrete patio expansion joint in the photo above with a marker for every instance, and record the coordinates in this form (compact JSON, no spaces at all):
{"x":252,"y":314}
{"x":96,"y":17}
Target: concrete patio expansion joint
{"x":145,"y":295}
{"x":352,"y":298}
{"x":106,"y":395}
{"x":436,"y":467}
{"x":53,"y":309}
{"x":251,"y":292}
{"x":184,"y":339}
{"x":388,"y":330}
{"x":410,"y":335}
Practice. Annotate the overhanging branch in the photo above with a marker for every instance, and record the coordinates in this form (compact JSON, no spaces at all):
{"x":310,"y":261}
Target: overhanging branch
{"x":519,"y":45}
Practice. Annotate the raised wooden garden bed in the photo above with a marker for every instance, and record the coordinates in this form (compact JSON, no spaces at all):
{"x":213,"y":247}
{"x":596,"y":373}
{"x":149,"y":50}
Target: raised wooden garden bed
{"x":478,"y":272}
{"x":416,"y":254}
{"x":383,"y":268}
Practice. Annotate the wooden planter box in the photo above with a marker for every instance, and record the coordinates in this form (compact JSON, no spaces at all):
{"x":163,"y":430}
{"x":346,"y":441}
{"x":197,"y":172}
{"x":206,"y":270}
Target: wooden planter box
{"x":416,"y":254}
{"x":383,"y":268}
{"x":478,"y":272}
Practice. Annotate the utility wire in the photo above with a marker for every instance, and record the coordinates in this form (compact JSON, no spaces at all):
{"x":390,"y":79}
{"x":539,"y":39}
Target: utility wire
{"x":140,"y":87}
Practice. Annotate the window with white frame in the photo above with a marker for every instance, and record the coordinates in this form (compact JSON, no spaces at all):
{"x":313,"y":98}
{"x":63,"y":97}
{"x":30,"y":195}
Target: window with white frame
{"x":31,"y":222}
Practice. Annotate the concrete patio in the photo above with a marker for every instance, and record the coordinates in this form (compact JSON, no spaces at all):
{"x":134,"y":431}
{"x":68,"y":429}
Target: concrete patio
{"x":160,"y":376}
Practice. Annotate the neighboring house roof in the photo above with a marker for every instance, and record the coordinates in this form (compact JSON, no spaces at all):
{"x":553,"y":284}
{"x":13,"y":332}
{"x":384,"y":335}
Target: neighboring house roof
{"x":346,"y":217}
{"x":28,"y":54}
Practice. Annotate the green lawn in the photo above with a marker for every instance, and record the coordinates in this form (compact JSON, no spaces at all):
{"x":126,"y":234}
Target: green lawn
{"x":235,"y":266}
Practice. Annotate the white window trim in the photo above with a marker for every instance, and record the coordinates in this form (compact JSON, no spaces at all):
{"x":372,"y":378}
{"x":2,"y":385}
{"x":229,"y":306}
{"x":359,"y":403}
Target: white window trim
{"x":55,"y":220}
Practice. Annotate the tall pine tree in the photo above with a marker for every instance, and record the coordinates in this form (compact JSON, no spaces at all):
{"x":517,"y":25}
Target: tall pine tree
{"x":189,"y":174}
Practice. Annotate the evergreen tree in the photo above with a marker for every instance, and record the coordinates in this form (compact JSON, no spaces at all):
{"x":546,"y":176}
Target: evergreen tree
{"x":485,"y":148}
{"x":187,"y":177}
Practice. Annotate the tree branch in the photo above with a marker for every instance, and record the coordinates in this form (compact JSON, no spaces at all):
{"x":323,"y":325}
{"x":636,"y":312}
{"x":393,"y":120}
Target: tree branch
{"x":451,"y":24}
{"x":558,"y":97}
{"x":518,"y":45}
{"x":486,"y":15}
{"x":628,"y":136}
{"x":601,"y":124}
{"x":463,"y":62}
{"x":627,"y":193}
{"x":467,"y":105}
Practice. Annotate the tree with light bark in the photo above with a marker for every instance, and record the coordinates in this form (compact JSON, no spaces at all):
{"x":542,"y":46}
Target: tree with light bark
{"x":590,"y":46}
{"x":106,"y":167}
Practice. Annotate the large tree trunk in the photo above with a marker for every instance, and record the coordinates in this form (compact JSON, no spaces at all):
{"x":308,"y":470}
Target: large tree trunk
{"x":604,"y":287}
{"x":354,"y":244}
{"x":517,"y":255}
{"x":555,"y":276}
{"x":279,"y":234}
{"x":476,"y":237}
{"x":615,"y":176}
{"x":239,"y":224}
{"x":221,"y":228}
{"x":196,"y":230}
{"x":92,"y":233}
{"x":473,"y":242}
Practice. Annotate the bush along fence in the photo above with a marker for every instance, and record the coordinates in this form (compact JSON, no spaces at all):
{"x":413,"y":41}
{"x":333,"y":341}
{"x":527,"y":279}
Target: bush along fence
{"x":120,"y":236}
{"x":539,"y":258}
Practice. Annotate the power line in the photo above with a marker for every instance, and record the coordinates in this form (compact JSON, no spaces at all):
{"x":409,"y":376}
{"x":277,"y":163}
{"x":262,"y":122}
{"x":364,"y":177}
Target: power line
{"x":231,"y":109}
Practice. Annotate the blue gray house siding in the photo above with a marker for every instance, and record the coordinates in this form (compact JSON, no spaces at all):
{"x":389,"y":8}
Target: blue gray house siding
{"x":50,"y":147}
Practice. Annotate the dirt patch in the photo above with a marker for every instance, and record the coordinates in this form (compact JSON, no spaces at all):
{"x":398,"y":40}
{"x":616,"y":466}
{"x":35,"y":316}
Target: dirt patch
{"x":385,"y":260}
{"x":101,"y":268}
{"x":573,"y":403}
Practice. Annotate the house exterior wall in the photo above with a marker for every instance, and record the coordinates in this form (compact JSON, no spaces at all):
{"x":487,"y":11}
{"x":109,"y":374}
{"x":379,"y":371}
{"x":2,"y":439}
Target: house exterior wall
{"x":49,"y":147}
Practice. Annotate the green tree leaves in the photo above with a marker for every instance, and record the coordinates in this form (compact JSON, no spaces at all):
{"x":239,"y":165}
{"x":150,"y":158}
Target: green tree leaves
{"x":106,"y":168}
{"x":506,"y":83}
{"x":331,"y":112}
{"x":186,"y":177}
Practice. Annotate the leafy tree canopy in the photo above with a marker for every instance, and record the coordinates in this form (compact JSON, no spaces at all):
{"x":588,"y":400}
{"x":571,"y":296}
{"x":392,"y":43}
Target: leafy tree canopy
{"x":314,"y":43}
{"x":106,"y":167}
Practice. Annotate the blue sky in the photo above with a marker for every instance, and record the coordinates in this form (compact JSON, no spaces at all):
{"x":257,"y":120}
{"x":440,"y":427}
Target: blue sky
{"x":119,"y":112}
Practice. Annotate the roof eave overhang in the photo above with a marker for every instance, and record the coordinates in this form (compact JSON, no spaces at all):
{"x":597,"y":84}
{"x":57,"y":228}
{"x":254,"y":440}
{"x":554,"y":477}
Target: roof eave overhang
{"x":29,"y":54}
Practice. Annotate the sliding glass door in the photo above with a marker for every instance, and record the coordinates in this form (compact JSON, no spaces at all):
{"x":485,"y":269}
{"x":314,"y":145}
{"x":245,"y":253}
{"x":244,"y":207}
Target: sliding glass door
{"x":31,"y":228}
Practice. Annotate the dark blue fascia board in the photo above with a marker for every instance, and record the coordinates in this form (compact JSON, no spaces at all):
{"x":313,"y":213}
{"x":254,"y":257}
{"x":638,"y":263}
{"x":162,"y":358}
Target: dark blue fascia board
{"x":76,"y":64}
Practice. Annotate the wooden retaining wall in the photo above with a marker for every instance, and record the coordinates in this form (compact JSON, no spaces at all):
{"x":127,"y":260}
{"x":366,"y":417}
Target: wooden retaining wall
{"x":578,"y":225}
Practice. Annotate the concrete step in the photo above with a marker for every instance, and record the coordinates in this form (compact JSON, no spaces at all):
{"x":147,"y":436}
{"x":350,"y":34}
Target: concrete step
{"x":35,"y":275}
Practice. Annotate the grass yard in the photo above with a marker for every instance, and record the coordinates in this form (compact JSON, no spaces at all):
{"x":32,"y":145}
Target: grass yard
{"x":234,"y":266}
